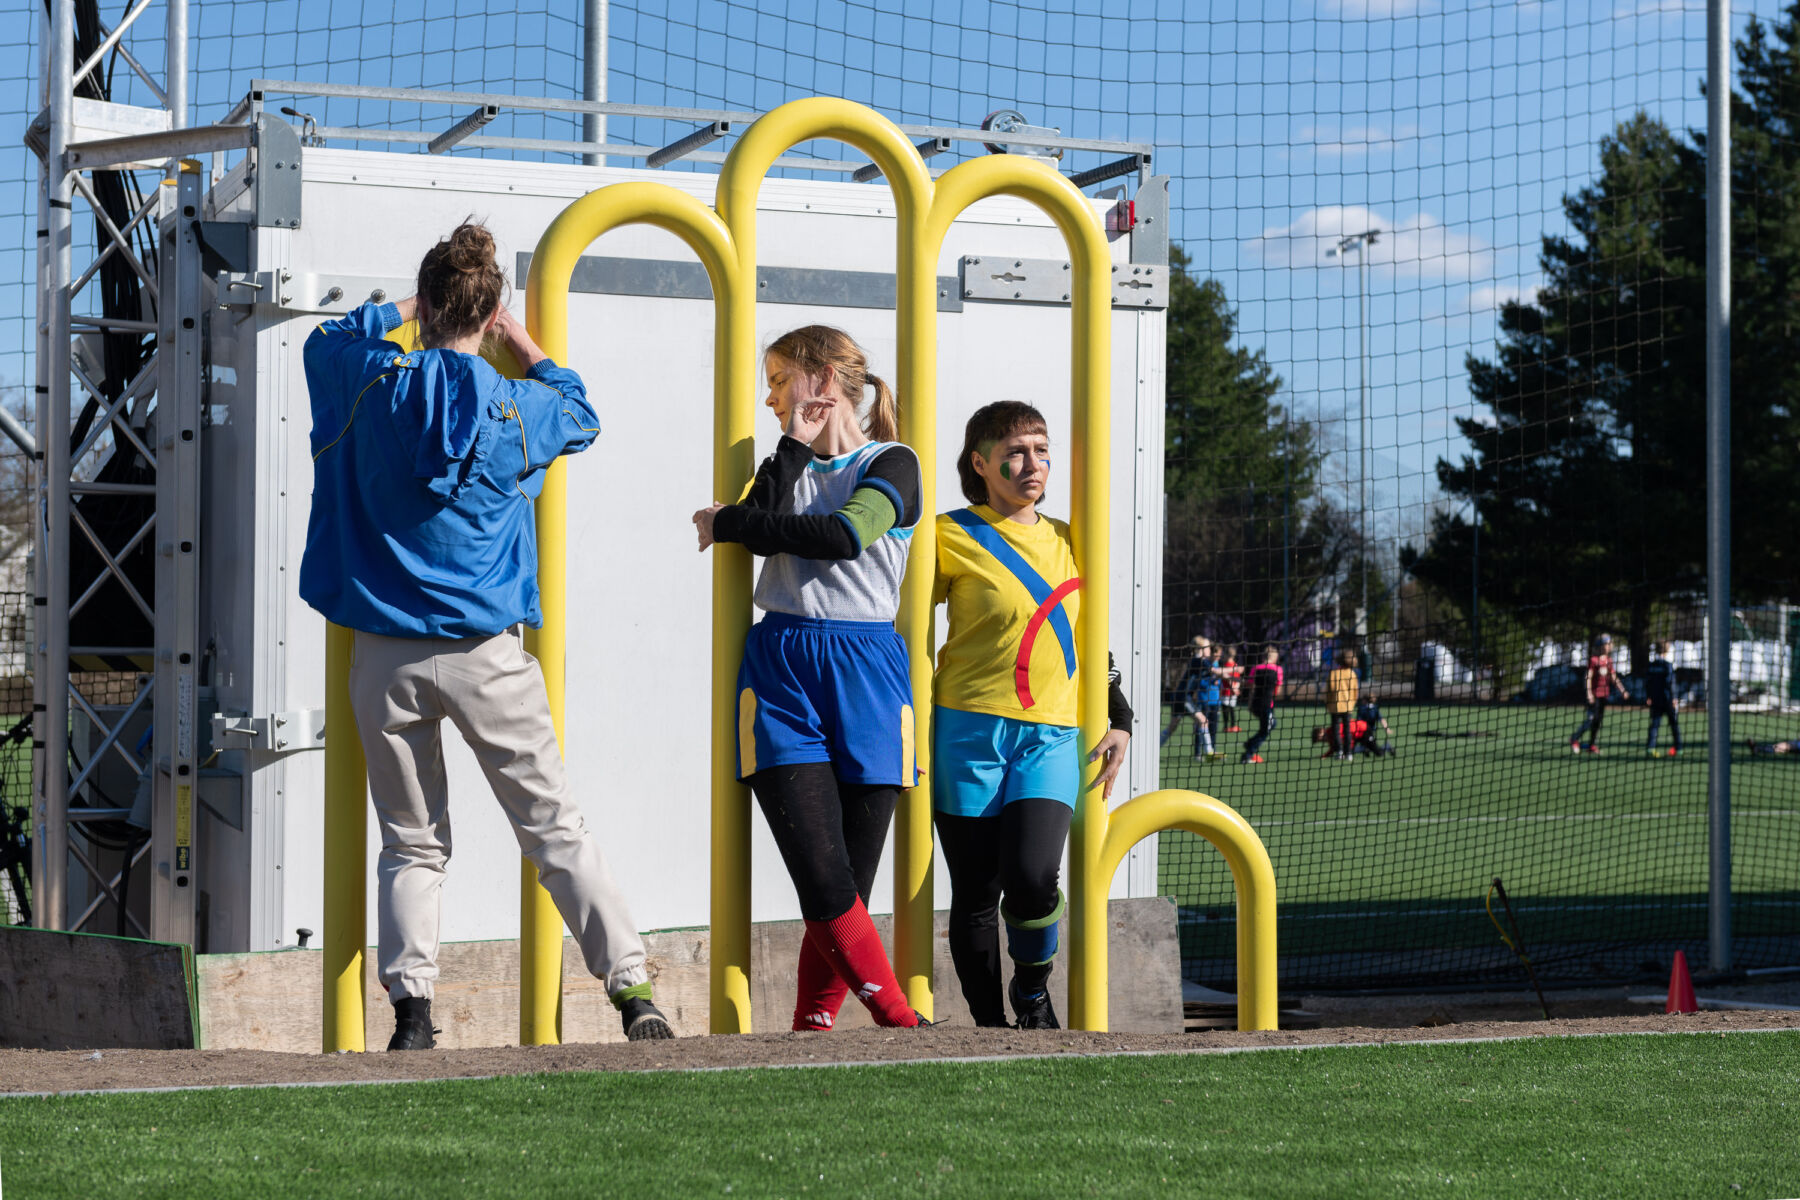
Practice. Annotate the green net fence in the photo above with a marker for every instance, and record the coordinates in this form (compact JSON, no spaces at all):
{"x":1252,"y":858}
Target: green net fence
{"x":1434,"y":403}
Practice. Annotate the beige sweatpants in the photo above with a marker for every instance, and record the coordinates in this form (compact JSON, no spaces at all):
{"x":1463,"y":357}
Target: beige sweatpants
{"x":402,"y":689}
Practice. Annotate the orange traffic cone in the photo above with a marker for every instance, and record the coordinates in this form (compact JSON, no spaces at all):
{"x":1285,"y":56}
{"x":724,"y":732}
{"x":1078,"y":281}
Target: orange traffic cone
{"x":1681,"y":988}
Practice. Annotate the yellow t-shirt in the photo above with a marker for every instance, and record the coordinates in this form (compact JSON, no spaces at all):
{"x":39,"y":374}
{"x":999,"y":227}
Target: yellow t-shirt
{"x":1343,"y":688}
{"x":1014,"y":599}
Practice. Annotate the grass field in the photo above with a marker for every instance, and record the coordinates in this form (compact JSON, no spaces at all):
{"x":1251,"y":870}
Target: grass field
{"x":1392,"y":853}
{"x":1681,"y":1115}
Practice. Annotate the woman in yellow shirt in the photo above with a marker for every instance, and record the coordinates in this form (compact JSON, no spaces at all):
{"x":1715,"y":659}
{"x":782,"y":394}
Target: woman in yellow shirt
{"x":1005,"y":766}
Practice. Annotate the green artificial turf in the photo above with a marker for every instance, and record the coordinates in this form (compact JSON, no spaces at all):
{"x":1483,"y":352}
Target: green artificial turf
{"x":1398,"y":853}
{"x":1683,"y":1115}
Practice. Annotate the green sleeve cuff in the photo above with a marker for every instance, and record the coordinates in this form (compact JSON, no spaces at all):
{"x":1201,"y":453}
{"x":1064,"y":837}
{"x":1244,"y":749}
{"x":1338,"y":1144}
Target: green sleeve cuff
{"x":869,"y":514}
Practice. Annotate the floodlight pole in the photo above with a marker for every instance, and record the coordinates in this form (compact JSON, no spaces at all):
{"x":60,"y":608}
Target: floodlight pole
{"x":1359,"y":242}
{"x":593,"y":75}
{"x":1718,"y":481}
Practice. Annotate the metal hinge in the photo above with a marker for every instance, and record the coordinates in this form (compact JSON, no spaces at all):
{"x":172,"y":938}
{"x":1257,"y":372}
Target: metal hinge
{"x":283,"y":732}
{"x":1049,"y":281}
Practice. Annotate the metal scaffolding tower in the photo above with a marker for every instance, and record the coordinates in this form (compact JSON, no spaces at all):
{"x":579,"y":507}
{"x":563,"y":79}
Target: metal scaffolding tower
{"x":94,"y":522}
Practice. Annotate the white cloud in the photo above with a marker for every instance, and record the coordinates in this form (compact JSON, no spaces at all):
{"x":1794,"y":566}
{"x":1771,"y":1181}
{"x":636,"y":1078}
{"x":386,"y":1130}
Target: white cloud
{"x":1342,"y":141}
{"x":1482,"y":300}
{"x":1495,"y":296}
{"x":1419,"y":246}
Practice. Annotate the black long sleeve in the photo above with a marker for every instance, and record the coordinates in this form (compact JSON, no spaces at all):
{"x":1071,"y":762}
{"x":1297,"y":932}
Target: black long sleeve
{"x":888,"y":494}
{"x":1118,"y":709}
{"x":760,"y":528}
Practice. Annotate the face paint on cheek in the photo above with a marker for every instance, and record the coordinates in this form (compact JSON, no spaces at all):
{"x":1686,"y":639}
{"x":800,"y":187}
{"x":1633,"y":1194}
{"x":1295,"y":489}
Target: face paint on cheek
{"x":1006,"y":471}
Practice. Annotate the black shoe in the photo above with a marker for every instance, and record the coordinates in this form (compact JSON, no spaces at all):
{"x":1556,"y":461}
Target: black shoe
{"x":412,"y":1025}
{"x":924,"y":1023}
{"x":644,"y":1022}
{"x":1035,"y":1012}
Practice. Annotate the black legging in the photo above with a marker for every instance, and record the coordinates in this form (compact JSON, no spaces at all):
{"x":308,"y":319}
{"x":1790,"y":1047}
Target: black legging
{"x":1596,"y":713}
{"x":1265,"y":718}
{"x":1341,"y":724}
{"x":830,"y":833}
{"x":1017,"y":854}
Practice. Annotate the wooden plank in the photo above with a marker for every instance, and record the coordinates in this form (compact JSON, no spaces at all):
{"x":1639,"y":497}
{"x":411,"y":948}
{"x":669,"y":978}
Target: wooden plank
{"x":269,"y":1001}
{"x":85,"y":991}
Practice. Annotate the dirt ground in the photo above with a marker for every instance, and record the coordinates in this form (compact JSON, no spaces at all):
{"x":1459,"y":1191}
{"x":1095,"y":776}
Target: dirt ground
{"x":1339,"y":1020}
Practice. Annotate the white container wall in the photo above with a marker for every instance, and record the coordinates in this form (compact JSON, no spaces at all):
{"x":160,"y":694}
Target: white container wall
{"x":639,"y":698}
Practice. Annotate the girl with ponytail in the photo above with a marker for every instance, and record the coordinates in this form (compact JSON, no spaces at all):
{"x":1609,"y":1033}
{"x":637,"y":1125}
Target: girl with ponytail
{"x":825,"y":717}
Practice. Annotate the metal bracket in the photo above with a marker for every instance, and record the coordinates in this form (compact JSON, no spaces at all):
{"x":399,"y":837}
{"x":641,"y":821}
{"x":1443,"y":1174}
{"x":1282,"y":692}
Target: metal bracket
{"x":282,"y":732}
{"x":305,"y":292}
{"x":1150,"y":232}
{"x":1049,"y":281}
{"x":275,"y":174}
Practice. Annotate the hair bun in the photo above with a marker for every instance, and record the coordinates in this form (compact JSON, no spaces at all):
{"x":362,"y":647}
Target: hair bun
{"x":471,"y":246}
{"x":462,"y":282}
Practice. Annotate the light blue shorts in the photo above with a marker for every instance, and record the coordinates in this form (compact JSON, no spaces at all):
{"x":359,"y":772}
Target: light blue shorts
{"x":982,"y":763}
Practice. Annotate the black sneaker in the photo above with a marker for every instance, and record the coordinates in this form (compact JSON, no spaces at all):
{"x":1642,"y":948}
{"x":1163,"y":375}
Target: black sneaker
{"x":644,"y":1022}
{"x":1035,"y":1012}
{"x":924,"y":1023}
{"x":412,"y":1025}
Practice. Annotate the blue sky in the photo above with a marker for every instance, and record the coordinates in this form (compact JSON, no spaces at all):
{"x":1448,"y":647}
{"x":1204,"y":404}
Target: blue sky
{"x":1454,"y":127}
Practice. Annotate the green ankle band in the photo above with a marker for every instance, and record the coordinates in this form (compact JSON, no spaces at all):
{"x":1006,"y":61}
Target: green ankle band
{"x":637,"y":991}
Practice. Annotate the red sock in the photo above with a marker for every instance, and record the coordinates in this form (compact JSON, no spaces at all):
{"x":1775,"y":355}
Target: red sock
{"x":821,"y":993}
{"x":853,"y":948}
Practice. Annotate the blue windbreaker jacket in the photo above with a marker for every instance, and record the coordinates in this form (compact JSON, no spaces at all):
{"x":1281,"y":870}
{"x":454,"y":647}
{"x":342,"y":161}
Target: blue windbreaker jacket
{"x":425,"y":465}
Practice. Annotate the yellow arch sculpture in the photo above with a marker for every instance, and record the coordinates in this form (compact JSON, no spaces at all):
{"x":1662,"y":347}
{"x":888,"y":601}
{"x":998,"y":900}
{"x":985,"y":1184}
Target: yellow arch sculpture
{"x":724,"y":238}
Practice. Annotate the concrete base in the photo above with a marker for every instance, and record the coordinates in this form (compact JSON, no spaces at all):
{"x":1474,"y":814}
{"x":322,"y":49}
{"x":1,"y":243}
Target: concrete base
{"x":271,"y":1001}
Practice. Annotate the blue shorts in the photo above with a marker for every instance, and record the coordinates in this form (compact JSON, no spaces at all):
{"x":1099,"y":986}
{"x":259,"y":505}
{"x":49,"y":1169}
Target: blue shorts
{"x":981,"y":763}
{"x":818,"y":691}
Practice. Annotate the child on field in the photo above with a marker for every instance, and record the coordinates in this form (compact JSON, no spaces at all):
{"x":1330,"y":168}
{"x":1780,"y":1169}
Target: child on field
{"x":1659,"y":694}
{"x":1262,"y":683}
{"x":1368,"y":717}
{"x":1207,"y":693}
{"x":1183,"y":701}
{"x":1599,"y":680}
{"x":1231,"y":677}
{"x":1341,"y":690}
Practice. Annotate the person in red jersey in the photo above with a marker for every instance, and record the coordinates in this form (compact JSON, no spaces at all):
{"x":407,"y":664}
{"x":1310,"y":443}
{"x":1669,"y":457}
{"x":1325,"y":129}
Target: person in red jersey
{"x":1262,"y":684}
{"x":1602,"y":684}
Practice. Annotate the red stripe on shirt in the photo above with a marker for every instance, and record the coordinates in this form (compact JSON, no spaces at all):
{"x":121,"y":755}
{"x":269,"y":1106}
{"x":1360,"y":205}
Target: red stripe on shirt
{"x":1022,"y":668}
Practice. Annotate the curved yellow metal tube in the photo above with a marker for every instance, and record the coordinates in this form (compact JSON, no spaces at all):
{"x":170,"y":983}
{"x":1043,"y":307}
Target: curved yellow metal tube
{"x":1251,"y":873}
{"x":734,"y":410}
{"x":740,"y":182}
{"x":1091,"y":452}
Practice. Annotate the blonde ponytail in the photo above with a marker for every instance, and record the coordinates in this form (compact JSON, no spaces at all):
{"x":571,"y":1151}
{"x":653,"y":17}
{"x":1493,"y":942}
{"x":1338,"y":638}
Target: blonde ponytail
{"x":884,"y":413}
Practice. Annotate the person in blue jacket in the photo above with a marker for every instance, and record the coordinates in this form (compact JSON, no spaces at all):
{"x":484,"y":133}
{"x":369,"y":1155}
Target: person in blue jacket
{"x":421,"y":541}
